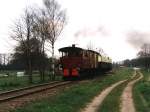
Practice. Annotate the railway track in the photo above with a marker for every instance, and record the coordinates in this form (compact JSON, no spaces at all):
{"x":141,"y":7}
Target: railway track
{"x":17,"y":93}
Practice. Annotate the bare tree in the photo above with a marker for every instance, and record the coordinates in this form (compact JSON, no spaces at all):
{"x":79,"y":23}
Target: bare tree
{"x":46,"y":25}
{"x":144,"y":55}
{"x":39,"y":33}
{"x":90,"y":46}
{"x":56,"y":20}
{"x":101,"y":51}
{"x":22,"y":33}
{"x":145,"y":51}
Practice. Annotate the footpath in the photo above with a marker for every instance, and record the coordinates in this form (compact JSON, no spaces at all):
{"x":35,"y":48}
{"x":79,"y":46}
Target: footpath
{"x":126,"y":104}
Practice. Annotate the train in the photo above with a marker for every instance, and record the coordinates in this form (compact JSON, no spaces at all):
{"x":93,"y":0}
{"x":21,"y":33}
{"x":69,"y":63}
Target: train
{"x":77,"y":63}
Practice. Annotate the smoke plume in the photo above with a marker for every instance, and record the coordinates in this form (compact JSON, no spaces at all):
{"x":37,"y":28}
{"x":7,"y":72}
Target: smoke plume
{"x":137,"y":39}
{"x":90,"y":32}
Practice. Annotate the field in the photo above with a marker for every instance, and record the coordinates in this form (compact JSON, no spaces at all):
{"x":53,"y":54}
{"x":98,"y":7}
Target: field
{"x":77,"y":96}
{"x":13,"y":82}
{"x":142,"y":93}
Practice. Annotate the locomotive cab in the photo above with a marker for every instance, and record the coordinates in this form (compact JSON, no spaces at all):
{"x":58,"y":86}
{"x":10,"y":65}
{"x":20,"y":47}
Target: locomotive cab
{"x":71,"y":61}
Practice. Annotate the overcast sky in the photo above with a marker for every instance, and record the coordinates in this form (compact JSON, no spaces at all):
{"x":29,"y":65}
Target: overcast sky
{"x":119,"y":27}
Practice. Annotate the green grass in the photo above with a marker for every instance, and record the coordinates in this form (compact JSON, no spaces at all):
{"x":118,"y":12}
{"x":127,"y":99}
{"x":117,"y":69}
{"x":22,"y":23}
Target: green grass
{"x":141,"y":93}
{"x":13,"y":82}
{"x":77,"y":96}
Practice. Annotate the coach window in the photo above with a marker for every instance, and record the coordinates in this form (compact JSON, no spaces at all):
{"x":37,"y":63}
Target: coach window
{"x":86,"y":54}
{"x":83,"y":53}
{"x":79,"y":53}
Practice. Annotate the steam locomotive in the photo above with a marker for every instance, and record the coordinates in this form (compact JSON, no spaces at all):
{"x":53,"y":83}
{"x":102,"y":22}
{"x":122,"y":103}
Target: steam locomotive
{"x":79,"y":63}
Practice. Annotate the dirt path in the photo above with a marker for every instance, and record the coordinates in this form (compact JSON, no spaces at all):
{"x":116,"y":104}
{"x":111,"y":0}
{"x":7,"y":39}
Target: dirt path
{"x":94,"y":105}
{"x":127,"y":104}
{"x":134,"y":74}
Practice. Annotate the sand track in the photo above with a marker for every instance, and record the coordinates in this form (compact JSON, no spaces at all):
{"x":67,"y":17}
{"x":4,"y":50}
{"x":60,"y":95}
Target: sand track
{"x":97,"y":101}
{"x":127,"y":104}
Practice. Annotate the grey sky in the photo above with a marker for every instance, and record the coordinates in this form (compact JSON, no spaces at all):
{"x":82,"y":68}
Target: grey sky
{"x":105,"y":23}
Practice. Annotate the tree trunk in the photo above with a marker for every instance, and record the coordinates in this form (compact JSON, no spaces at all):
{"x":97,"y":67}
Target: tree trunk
{"x":43,"y":62}
{"x":30,"y":71}
{"x":53,"y":63}
{"x":29,"y":65}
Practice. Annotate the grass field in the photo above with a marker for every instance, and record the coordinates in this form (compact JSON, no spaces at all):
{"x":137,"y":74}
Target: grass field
{"x":76,"y":97}
{"x":13,"y":82}
{"x":142,"y":93}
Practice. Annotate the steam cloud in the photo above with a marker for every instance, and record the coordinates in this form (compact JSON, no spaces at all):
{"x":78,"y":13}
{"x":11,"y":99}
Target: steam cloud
{"x":137,"y":39}
{"x":91,"y":32}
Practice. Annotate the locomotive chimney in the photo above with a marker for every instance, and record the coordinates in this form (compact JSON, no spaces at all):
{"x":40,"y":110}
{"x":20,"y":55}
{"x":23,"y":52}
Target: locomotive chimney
{"x":73,"y":45}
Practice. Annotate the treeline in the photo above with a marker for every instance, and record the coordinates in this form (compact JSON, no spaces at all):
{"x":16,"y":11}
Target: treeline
{"x":35,"y":33}
{"x":142,"y":60}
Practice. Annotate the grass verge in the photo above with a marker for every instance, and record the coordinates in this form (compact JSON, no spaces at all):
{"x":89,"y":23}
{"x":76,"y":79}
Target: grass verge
{"x":141,"y":93}
{"x":13,"y":82}
{"x":77,"y":96}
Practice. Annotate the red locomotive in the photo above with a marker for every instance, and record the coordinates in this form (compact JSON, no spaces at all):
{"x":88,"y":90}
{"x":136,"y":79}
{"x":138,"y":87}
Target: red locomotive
{"x":77,"y":62}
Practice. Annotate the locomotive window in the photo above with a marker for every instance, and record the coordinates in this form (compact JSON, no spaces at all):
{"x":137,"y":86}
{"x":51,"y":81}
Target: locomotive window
{"x":65,"y":54}
{"x":72,"y":53}
{"x":86,"y":54}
